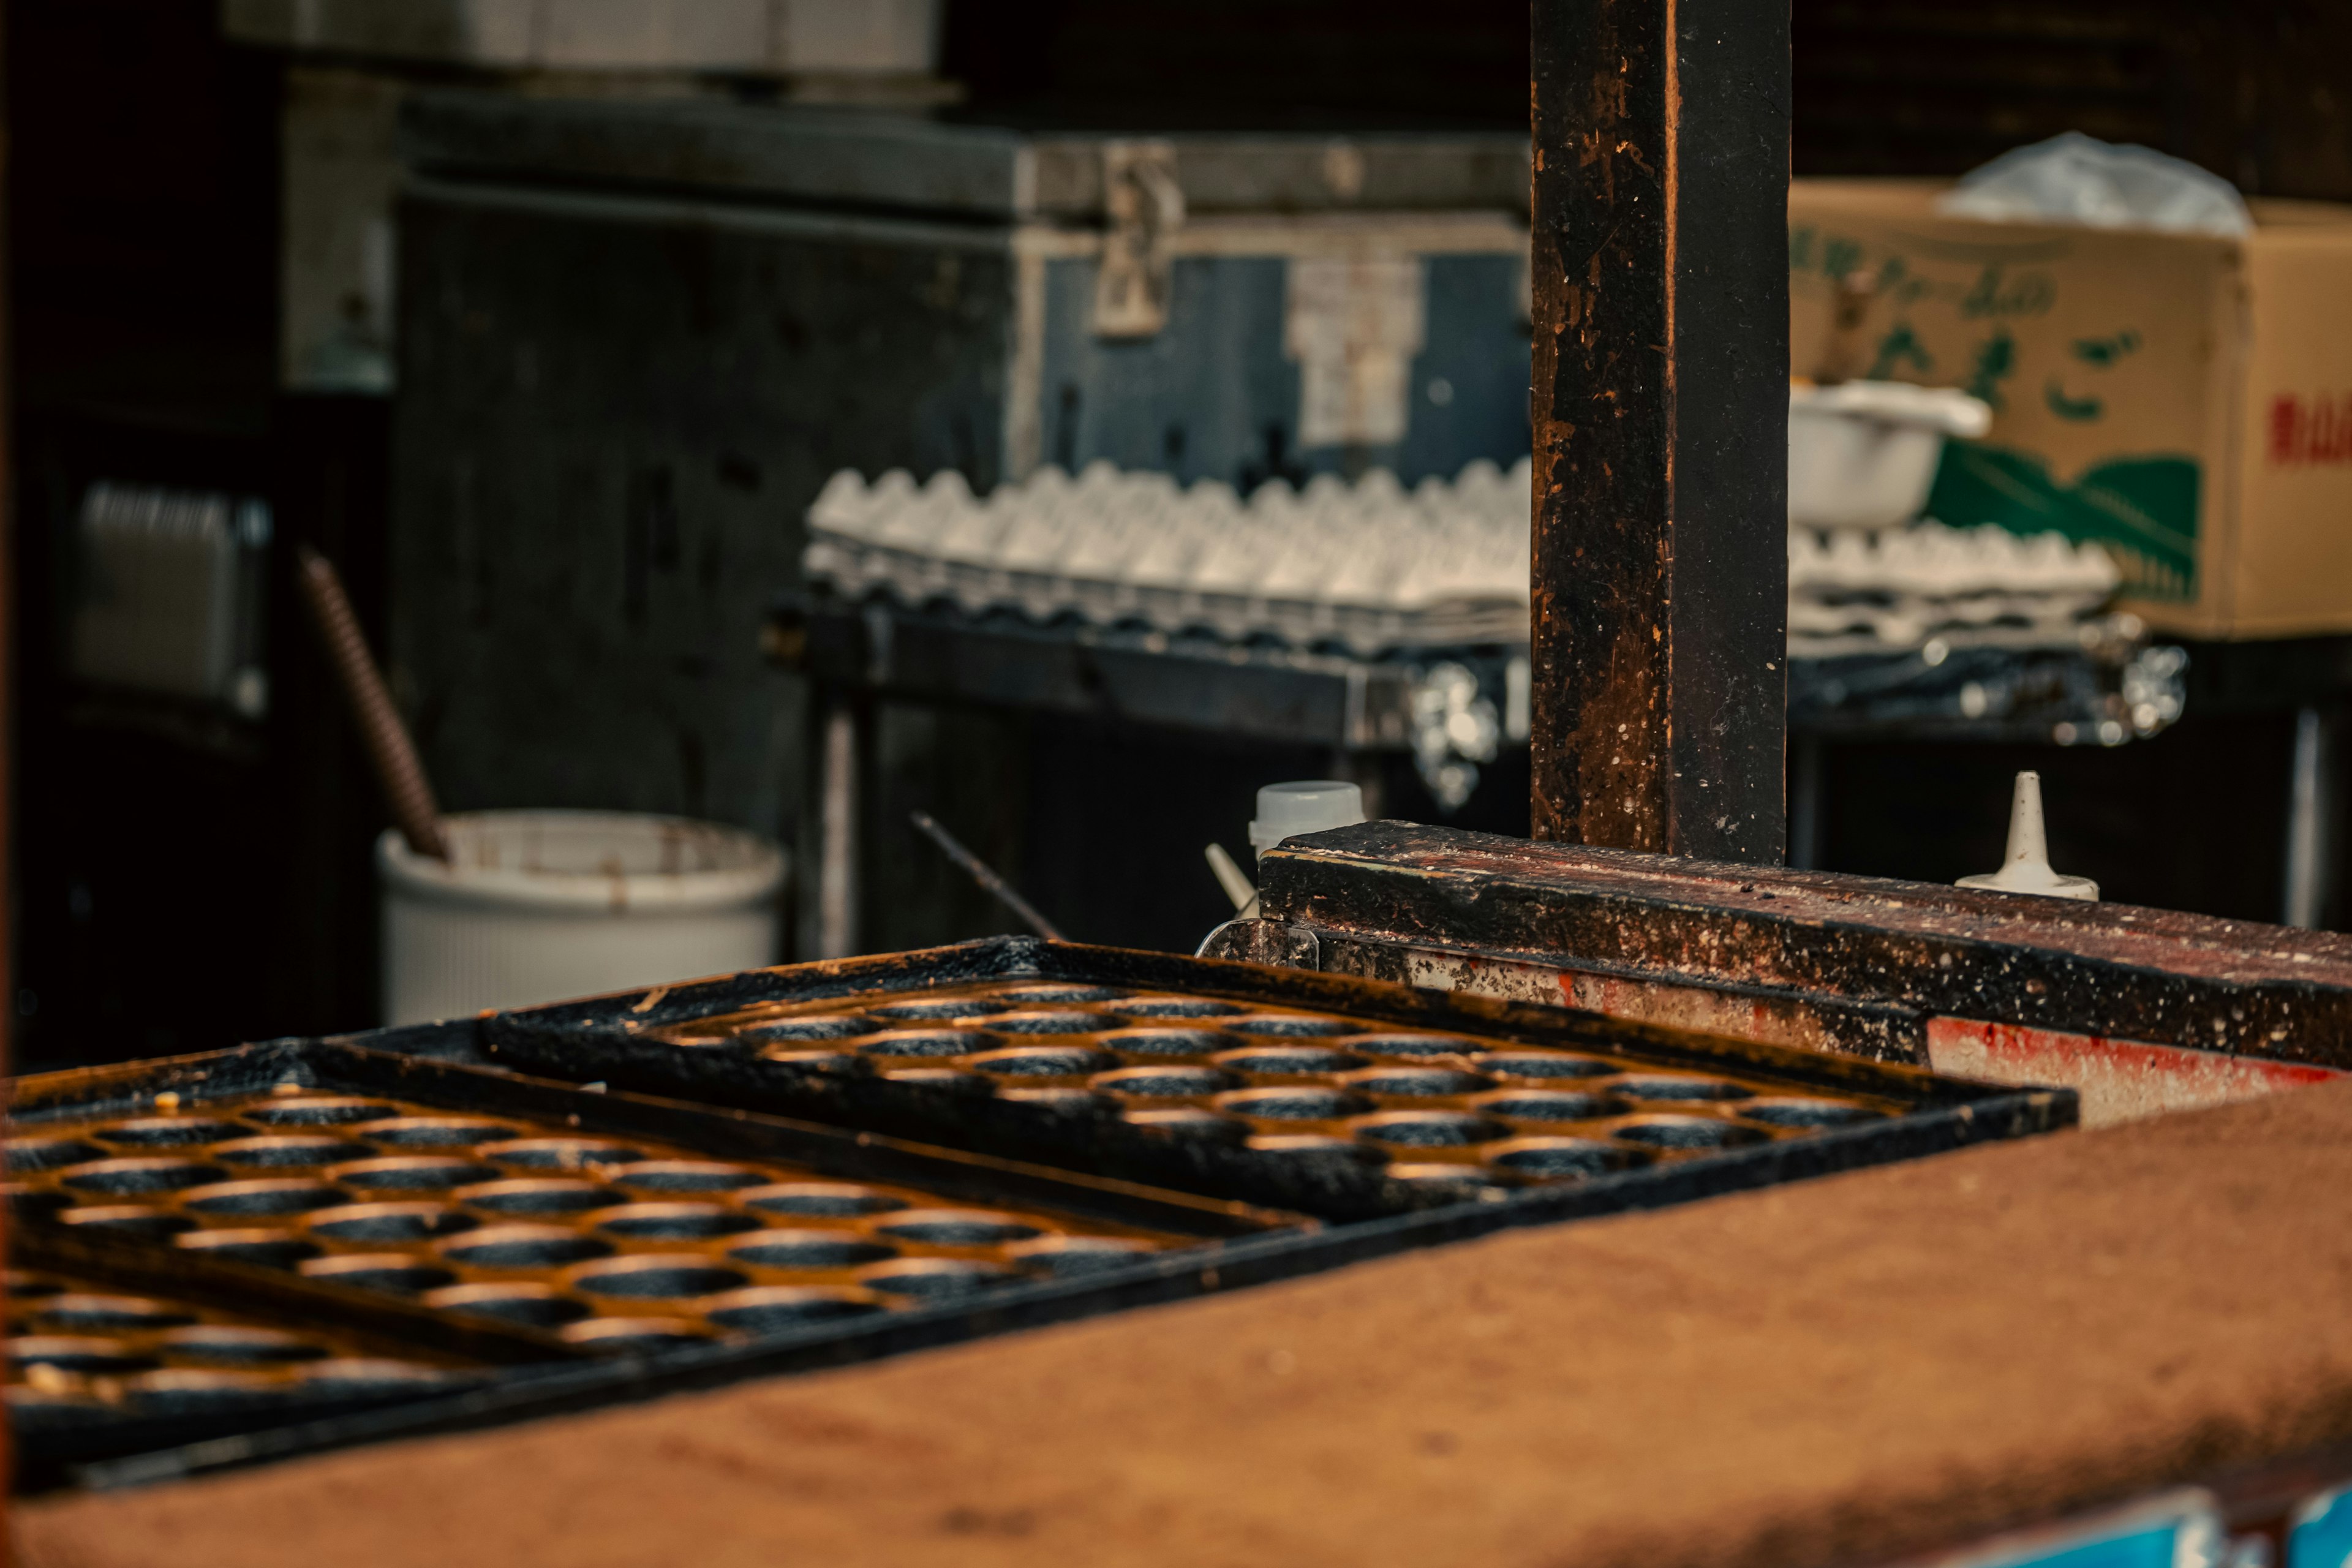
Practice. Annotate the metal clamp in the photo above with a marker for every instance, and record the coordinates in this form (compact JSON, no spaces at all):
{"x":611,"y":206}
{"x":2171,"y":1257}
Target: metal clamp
{"x":1145,"y":206}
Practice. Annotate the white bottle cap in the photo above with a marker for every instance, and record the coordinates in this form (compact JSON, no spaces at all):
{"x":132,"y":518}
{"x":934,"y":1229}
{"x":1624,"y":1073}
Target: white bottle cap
{"x":1309,"y":806}
{"x":2026,"y":868}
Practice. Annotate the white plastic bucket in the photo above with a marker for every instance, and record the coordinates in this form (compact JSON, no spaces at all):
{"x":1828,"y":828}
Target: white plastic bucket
{"x":542,"y":906}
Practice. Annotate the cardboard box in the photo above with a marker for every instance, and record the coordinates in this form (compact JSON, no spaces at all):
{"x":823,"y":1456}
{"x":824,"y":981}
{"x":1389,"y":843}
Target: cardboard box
{"x":2184,"y":400}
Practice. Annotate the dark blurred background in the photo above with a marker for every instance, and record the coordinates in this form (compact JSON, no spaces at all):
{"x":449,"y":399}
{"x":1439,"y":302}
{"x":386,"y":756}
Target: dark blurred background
{"x":186,"y":881}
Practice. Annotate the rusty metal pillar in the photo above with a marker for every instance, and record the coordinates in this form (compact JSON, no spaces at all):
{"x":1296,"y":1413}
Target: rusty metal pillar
{"x":1660,"y":404}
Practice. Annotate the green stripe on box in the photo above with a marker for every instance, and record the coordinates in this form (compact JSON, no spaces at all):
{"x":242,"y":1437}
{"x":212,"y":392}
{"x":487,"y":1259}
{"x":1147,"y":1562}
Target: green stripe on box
{"x":2142,"y":510}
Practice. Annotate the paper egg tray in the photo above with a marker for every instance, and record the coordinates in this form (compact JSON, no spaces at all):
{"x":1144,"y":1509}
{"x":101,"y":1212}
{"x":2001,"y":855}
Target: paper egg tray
{"x":613,"y":1244}
{"x":79,"y":1346}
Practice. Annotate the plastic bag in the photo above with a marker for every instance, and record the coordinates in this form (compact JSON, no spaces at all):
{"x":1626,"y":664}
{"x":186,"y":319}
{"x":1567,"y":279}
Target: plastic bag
{"x":2076,"y":178}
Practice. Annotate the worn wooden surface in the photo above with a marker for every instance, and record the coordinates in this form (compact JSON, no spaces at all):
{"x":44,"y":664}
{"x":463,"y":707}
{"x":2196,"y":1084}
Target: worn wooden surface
{"x":1847,"y":1371}
{"x":1659,"y":404}
{"x":2107,"y":969}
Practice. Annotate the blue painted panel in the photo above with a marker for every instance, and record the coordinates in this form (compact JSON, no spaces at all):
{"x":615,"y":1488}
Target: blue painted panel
{"x":1214,"y":396}
{"x":2179,"y":1530}
{"x":2322,"y":1532}
{"x":1477,"y":344}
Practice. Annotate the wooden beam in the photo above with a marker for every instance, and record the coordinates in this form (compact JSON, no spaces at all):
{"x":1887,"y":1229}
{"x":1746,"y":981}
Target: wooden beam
{"x":1660,"y":404}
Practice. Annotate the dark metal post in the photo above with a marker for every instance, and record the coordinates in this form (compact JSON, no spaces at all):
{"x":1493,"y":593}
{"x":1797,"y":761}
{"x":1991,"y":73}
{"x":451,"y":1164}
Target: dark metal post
{"x":1659,"y":404}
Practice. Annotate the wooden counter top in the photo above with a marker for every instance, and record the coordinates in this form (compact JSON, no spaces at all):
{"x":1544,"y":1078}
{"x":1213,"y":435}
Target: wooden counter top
{"x":1836,"y":1373}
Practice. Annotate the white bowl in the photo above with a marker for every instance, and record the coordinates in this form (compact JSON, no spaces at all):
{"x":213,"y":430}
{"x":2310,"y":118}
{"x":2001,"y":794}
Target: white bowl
{"x":1863,"y":454}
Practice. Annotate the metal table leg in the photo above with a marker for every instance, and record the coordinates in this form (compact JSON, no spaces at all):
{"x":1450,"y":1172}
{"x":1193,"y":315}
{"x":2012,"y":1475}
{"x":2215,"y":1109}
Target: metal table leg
{"x":2314,"y":790}
{"x":842,"y":742}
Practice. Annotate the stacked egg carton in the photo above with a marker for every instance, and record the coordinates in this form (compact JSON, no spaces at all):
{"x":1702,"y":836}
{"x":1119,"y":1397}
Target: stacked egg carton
{"x":1853,"y":591}
{"x":1369,"y":566}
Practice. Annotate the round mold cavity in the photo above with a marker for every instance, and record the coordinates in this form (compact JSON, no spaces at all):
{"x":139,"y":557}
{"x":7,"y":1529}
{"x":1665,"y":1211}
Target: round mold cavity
{"x":1542,"y":1065}
{"x":929,"y":1043}
{"x":1046,"y":1021}
{"x":387,"y":1223}
{"x":75,"y":1311}
{"x":139,"y":1174}
{"x":1429,"y":1129}
{"x":557,"y":1153}
{"x":634,"y":1336}
{"x":702,"y":1039}
{"x":1285,"y":1025}
{"x":49,"y":1154}
{"x":1789,"y":1111}
{"x":1677,"y":1087}
{"x":1552,"y":1158}
{"x":35,"y":1203}
{"x":23,"y":1400}
{"x":1179,"y":1007}
{"x":957,"y":1227}
{"x":526,"y":1195}
{"x":1065,"y":1256}
{"x":1410,"y":1045}
{"x":1457,"y":1184}
{"x":435,"y":1131}
{"x":521,"y":1247}
{"x":186,"y":1391}
{"x":411,"y":1173}
{"x":1315,"y":1146}
{"x":659,"y":1276}
{"x":672,"y":1222}
{"x":76,"y":1353}
{"x":945,"y":1080}
{"x":278,"y":1151}
{"x":1187,"y":1121}
{"x":1055,"y":994}
{"x":1417,"y":1083}
{"x":394,"y":1271}
{"x":1043,"y":1061}
{"x":1686,"y":1132}
{"x":810,"y":1249}
{"x":1288,"y":1061}
{"x":232,"y":1345}
{"x":533,"y":1306}
{"x":822,"y":1200}
{"x":778,"y":1309}
{"x":265,"y":1248}
{"x":794,"y":1031}
{"x":1068,"y":1099}
{"x":317,"y":1111}
{"x":362,"y":1376}
{"x":1165,"y":1083}
{"x":165,"y":1132}
{"x":264,"y":1196}
{"x":685,"y":1176}
{"x":1547,"y":1105}
{"x":936,"y":1278}
{"x":936,"y":1009}
{"x":129,"y":1219}
{"x":1164,"y":1042}
{"x":815,"y":1059}
{"x":1294,"y":1103}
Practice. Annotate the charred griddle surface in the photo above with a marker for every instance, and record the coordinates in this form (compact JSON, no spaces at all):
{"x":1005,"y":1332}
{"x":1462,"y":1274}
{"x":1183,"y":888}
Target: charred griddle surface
{"x":89,"y":1346}
{"x":1452,"y":1113}
{"x":615,"y":1245}
{"x":417,"y":1181}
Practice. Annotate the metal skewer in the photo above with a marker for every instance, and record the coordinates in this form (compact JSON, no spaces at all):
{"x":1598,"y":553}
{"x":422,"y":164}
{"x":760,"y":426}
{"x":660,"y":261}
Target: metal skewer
{"x":981,"y":872}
